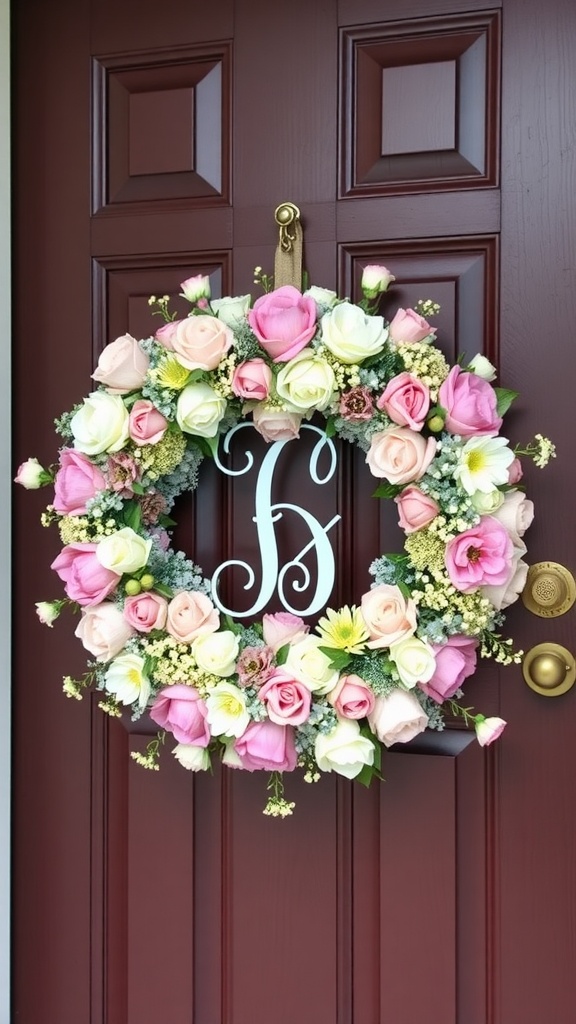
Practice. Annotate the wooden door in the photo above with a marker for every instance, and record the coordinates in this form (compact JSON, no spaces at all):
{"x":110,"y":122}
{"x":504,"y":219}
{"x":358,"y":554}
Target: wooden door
{"x":154,"y":142}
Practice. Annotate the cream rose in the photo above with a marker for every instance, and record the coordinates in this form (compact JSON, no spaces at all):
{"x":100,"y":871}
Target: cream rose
{"x":103,"y":630}
{"x":195,"y":759}
{"x":306,"y":382}
{"x":227,"y":714}
{"x":344,"y":750}
{"x":276,"y":425}
{"x":232,"y":309}
{"x":307,"y":663}
{"x":351,"y":335}
{"x":414,"y":660}
{"x":389,"y":616}
{"x":515,"y":514}
{"x":199,"y":342}
{"x":191,"y":614}
{"x":400,"y":455}
{"x":199,"y":410}
{"x":122,"y":366}
{"x":216,"y":653}
{"x":397,"y":718}
{"x":123,"y":551}
{"x":482,"y":367}
{"x":487,"y":502}
{"x":324,"y":298}
{"x":101,"y":424}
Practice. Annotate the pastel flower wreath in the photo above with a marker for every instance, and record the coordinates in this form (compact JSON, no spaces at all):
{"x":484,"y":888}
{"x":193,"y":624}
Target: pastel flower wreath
{"x":278,"y":694}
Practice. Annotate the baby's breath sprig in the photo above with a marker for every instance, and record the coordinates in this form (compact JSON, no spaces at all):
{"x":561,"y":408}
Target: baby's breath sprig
{"x":427,"y":308}
{"x":493,"y":646}
{"x":277,"y":806}
{"x":540,"y":450}
{"x":266,"y":281}
{"x":162,"y":310}
{"x":151,"y":757}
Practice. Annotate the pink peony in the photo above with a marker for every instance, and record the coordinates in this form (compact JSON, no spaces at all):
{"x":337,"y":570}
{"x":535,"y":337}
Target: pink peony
{"x":284,"y":321}
{"x":455,"y":661}
{"x":76,"y":481}
{"x":267,"y":746}
{"x":146,"y":612}
{"x":146,"y":425}
{"x":352,"y":697}
{"x":400,"y":455}
{"x":406,"y":401}
{"x":408,"y":327}
{"x":470,"y":404}
{"x":254,"y":665}
{"x":287,"y":699}
{"x":415,"y":509}
{"x":283,"y":628}
{"x":86,"y":581}
{"x":252,"y":380}
{"x":181,"y":710}
{"x":481,"y":556}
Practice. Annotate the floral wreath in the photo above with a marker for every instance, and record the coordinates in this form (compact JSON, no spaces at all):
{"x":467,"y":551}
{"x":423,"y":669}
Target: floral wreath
{"x":278,"y":694}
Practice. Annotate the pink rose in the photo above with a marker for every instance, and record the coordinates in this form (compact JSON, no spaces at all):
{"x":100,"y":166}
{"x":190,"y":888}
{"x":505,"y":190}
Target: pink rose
{"x":352,"y":697}
{"x":408,"y":327}
{"x":275,"y":425}
{"x":252,"y":380}
{"x":76,"y":481}
{"x":481,"y":556}
{"x":415,"y":509}
{"x":267,"y":746}
{"x":515,"y":472}
{"x":181,"y":710}
{"x":146,"y":425}
{"x":470,"y":404}
{"x":199,"y":342}
{"x":122,"y":366}
{"x":191,"y":614}
{"x":455,"y":661}
{"x":356,"y":405}
{"x":146,"y":611}
{"x":397,"y":718}
{"x":254,"y":665}
{"x":488,"y":729}
{"x":287,"y":700}
{"x":103,"y":630}
{"x":389,"y":616}
{"x":283,"y":628}
{"x":400,"y":455}
{"x":284,"y":321}
{"x":406,"y":400}
{"x":165,"y":334}
{"x":87,"y":581}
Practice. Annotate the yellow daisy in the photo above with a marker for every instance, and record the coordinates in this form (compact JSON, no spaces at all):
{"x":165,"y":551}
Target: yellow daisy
{"x":344,"y":630}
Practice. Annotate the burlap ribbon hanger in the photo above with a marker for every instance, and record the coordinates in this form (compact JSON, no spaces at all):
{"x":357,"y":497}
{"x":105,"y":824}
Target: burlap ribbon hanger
{"x":288,"y":258}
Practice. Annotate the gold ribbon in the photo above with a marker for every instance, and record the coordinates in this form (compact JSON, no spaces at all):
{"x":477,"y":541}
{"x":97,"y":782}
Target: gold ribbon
{"x":288,"y":258}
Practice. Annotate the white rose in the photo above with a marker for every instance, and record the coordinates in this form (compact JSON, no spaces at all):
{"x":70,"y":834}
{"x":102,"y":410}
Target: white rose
{"x":199,"y":410}
{"x":324,"y":298}
{"x":486,"y":503}
{"x":125,"y":679}
{"x":48,"y":611}
{"x":352,"y":335}
{"x":515,"y":514}
{"x":376,"y":279}
{"x":397,"y":718}
{"x":310,"y":666}
{"x":123,"y":551}
{"x":306,"y":382}
{"x":103,"y":630}
{"x":482,"y":367}
{"x":230,"y":757}
{"x":216,"y":653}
{"x":227,"y":714}
{"x":31,"y":475}
{"x":414,"y":660}
{"x":344,"y":750}
{"x":504,"y":595}
{"x":101,"y":424}
{"x":232,"y":309}
{"x":195,"y":759}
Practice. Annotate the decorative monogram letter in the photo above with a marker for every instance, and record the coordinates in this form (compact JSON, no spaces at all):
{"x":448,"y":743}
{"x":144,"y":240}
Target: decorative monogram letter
{"x":274,"y":575}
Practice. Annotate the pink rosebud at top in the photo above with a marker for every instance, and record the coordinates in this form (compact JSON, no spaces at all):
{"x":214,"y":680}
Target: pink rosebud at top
{"x":408,"y":327}
{"x":195,"y":288}
{"x":284,"y":321}
{"x":375,"y":279}
{"x":488,"y":729}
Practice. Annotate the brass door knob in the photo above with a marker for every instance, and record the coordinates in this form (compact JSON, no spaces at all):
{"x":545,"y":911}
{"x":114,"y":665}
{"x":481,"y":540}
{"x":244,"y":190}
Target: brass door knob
{"x":550,"y":589}
{"x":549,"y":669}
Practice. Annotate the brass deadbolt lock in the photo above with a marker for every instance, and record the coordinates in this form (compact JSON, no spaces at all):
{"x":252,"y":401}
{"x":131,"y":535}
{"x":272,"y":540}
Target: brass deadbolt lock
{"x":549,"y":669}
{"x":550,"y":589}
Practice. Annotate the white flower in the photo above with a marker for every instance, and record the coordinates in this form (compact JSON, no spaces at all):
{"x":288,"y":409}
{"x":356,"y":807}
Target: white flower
{"x":310,"y":666}
{"x":397,"y":718}
{"x":230,"y":757}
{"x":306,"y":382}
{"x":196,"y":759}
{"x":101,"y":424}
{"x":197,"y":287}
{"x":227,"y":714}
{"x":123,"y":551}
{"x":344,"y":750}
{"x":199,"y":410}
{"x":414,"y":660}
{"x":216,"y":653}
{"x":231,"y":310}
{"x":103,"y":630}
{"x":375,"y":279}
{"x":487,"y":502}
{"x":324,"y":298}
{"x":483,"y":464}
{"x":31,"y":475}
{"x":125,"y":679}
{"x":352,"y":335}
{"x":515,"y":514}
{"x":47,"y":611}
{"x":482,"y":367}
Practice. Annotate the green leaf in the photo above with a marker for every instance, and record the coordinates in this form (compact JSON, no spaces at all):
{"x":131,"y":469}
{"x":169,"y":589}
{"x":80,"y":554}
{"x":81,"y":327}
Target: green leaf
{"x":387,"y":491}
{"x":162,"y":589}
{"x":338,"y":659}
{"x":132,"y":515}
{"x":138,"y":488}
{"x":504,"y":399}
{"x":282,"y":654}
{"x":233,"y":627}
{"x":166,"y":521}
{"x":330,"y":427}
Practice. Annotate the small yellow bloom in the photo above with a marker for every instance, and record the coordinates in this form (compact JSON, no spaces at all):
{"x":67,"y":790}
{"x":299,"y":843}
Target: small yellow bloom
{"x":344,"y":630}
{"x":171,"y":374}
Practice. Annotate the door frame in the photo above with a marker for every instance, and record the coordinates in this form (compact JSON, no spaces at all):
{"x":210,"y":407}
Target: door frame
{"x":5,"y":503}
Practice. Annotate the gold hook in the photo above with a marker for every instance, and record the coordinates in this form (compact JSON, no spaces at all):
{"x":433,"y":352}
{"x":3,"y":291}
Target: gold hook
{"x":285,"y":215}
